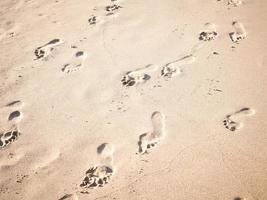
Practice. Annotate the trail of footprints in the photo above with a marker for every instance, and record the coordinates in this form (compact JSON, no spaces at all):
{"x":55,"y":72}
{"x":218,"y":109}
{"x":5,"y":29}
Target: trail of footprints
{"x":11,"y":133}
{"x":111,"y":9}
{"x":99,"y":175}
{"x":172,"y":69}
{"x":75,"y":63}
{"x":168,"y":70}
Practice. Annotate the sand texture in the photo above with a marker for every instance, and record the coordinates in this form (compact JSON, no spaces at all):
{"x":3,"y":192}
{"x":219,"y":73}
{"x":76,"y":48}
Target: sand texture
{"x":133,"y":100}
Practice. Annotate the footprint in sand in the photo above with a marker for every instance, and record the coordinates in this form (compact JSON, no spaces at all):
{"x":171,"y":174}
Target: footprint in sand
{"x":151,"y":139}
{"x":11,"y":134}
{"x":239,"y":33}
{"x":209,"y":33}
{"x":100,"y":175}
{"x":112,"y":8}
{"x":76,"y":63}
{"x":234,"y":2}
{"x":137,"y":76}
{"x":93,"y":20}
{"x":174,"y":68}
{"x":232,"y":121}
{"x":45,"y":50}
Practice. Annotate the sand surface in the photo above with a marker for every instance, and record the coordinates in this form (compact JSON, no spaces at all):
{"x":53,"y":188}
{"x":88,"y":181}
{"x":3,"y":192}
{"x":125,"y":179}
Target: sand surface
{"x":133,"y":99}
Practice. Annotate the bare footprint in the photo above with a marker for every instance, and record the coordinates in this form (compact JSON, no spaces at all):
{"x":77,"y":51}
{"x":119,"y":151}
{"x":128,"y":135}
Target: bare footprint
{"x":112,"y":8}
{"x":76,"y":63}
{"x":93,"y":20}
{"x":174,"y":68}
{"x":100,"y":175}
{"x":234,"y":2}
{"x":151,"y":139}
{"x":8,"y":137}
{"x":138,"y":76}
{"x":11,"y":132}
{"x":232,"y":121}
{"x":239,"y":33}
{"x":209,"y":33}
{"x":45,"y":50}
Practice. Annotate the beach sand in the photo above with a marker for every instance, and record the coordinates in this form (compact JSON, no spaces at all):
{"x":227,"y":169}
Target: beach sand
{"x":133,"y":99}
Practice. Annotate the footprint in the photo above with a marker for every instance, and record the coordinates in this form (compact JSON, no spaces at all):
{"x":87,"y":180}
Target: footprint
{"x":173,"y":69}
{"x":76,"y":63}
{"x":110,"y":9}
{"x":9,"y":135}
{"x":234,"y":2}
{"x":138,"y":76}
{"x":232,"y":121}
{"x":93,"y":20}
{"x":100,"y":175}
{"x":209,"y":33}
{"x":6,"y":138}
{"x":239,"y":33}
{"x":45,"y":50}
{"x":151,"y":139}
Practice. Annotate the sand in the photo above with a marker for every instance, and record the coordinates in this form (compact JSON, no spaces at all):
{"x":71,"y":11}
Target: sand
{"x":133,"y":99}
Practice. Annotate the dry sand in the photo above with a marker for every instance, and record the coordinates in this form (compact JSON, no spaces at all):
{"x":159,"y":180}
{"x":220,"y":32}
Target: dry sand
{"x":133,"y":99}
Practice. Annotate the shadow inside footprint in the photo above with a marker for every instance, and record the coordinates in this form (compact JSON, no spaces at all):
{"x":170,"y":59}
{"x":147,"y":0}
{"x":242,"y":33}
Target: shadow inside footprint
{"x":14,"y":115}
{"x":101,"y":147}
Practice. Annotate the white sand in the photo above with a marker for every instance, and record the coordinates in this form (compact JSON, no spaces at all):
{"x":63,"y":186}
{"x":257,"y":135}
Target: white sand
{"x":64,"y":115}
